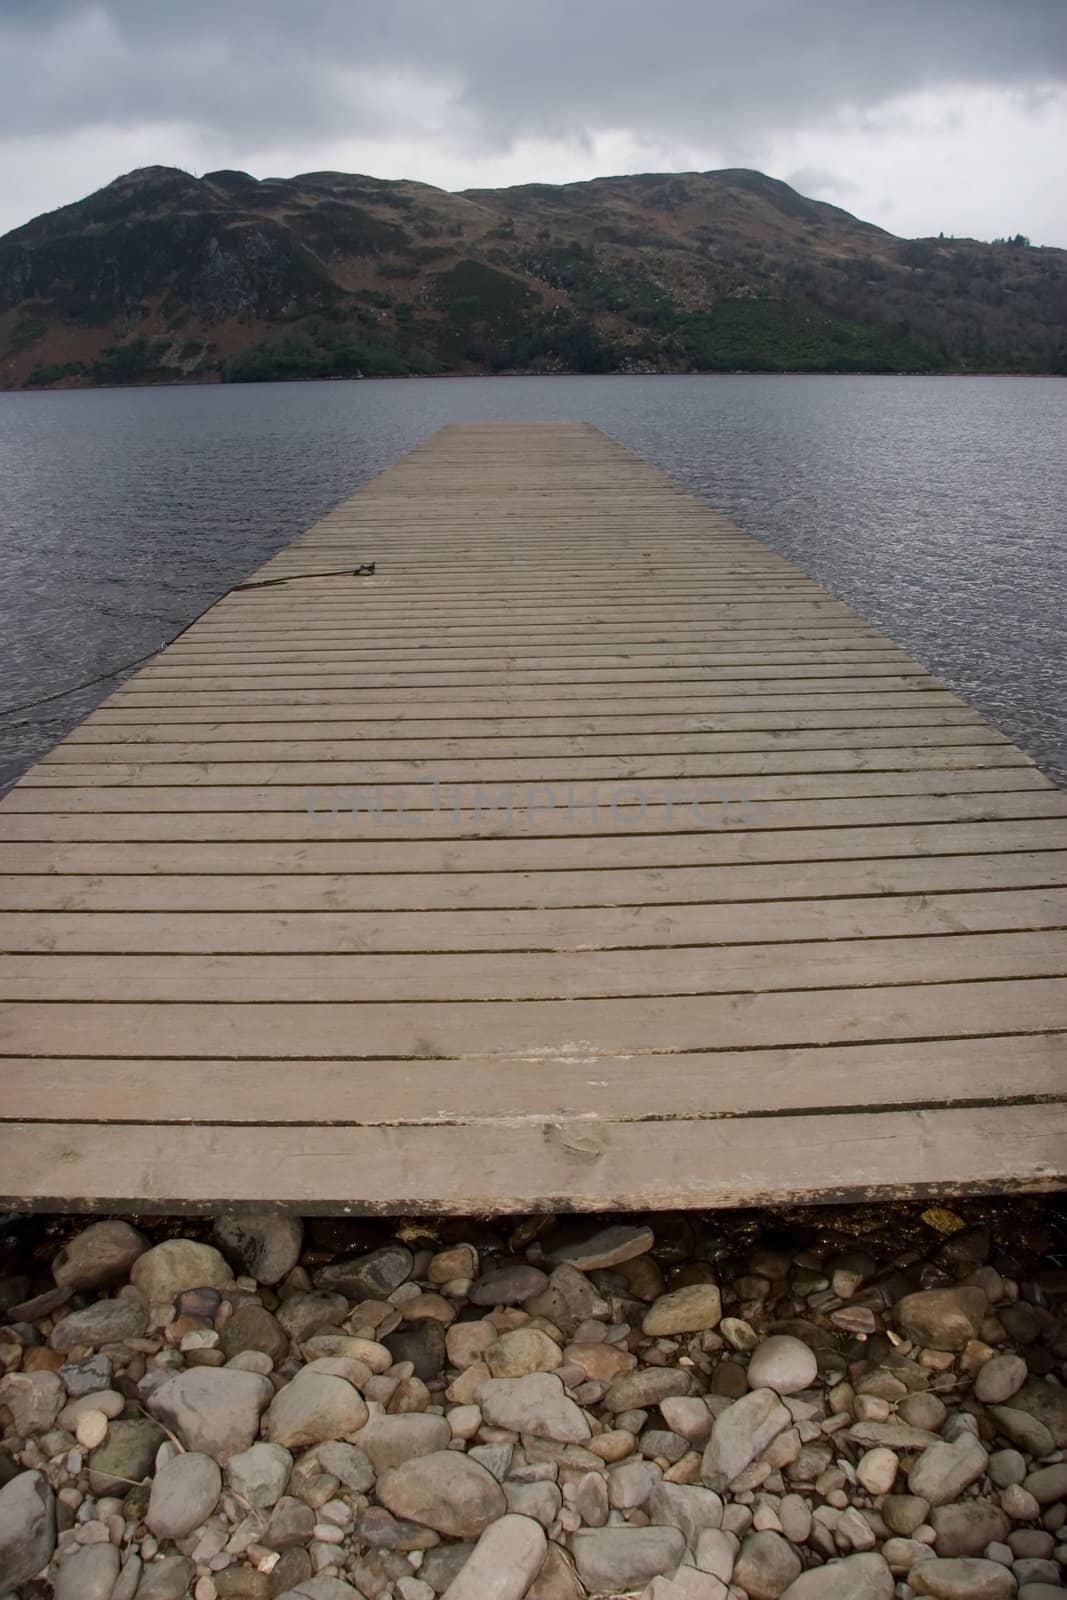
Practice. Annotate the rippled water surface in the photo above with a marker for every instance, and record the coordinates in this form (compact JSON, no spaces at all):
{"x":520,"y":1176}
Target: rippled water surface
{"x":936,"y":506}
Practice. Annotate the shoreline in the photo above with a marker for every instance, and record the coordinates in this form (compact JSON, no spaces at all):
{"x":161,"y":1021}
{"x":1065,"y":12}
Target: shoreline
{"x":422,"y":377}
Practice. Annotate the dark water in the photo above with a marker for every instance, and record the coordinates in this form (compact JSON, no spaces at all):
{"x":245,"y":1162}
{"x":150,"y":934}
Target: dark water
{"x":937,"y":507}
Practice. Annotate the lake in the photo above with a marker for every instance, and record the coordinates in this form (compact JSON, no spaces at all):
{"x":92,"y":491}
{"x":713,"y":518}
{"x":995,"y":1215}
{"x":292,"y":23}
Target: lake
{"x":937,"y":507}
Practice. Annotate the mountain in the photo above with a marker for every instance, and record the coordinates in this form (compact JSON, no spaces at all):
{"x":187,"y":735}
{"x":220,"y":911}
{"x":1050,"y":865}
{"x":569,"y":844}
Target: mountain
{"x":161,"y":276}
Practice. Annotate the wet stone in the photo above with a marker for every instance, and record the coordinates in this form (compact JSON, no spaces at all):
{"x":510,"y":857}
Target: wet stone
{"x":606,"y":1247}
{"x":942,"y":1319}
{"x":264,"y":1244}
{"x":100,"y":1254}
{"x":423,"y":1345}
{"x":368,"y":1277}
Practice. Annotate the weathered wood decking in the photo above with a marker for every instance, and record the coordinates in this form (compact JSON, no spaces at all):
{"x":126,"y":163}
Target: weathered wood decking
{"x":810,"y":944}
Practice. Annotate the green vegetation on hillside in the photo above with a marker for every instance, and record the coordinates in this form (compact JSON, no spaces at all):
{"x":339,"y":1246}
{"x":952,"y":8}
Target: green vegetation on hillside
{"x":321,"y":350}
{"x":765,"y":335}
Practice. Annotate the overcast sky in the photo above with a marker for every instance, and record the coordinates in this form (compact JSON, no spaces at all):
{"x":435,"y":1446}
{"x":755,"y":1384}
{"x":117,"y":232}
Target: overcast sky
{"x":920,"y":115}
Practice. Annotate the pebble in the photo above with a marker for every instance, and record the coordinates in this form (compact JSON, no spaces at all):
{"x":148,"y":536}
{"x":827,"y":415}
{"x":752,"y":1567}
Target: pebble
{"x":860,"y":1577}
{"x":619,"y":1557}
{"x":943,"y":1319}
{"x":445,"y":1491}
{"x":607,"y":1247}
{"x":766,"y":1565}
{"x":520,"y":1351}
{"x":944,"y":1471}
{"x":388,"y":1442}
{"x":783,"y":1364}
{"x":1000,"y":1378}
{"x":635,"y":1391}
{"x":504,"y":1563}
{"x":965,"y":1529}
{"x":185,"y":1492}
{"x":687,"y":1584}
{"x":215,"y":1410}
{"x":1020,"y":1428}
{"x":27,"y":1527}
{"x":162,"y":1273}
{"x":314,"y":1407}
{"x":259,"y":1475}
{"x":106,"y":1322}
{"x":691,"y":1309}
{"x":368,"y":1277}
{"x":102,"y":1253}
{"x":508,"y":1286}
{"x":877,"y":1470}
{"x":716,"y":1552}
{"x":1048,"y":1484}
{"x":448,"y":1265}
{"x":91,"y":1429}
{"x":1047,"y":1404}
{"x":91,"y":1375}
{"x":89,"y":1574}
{"x":251,"y":1327}
{"x":166,"y":1579}
{"x":688,"y":1417}
{"x":1006,"y":1467}
{"x":536,"y":1404}
{"x":740,"y":1433}
{"x":690,"y":1508}
{"x":126,"y":1456}
{"x":903,"y":1513}
{"x":34,"y":1399}
{"x":964,"y":1579}
{"x":266,"y":1244}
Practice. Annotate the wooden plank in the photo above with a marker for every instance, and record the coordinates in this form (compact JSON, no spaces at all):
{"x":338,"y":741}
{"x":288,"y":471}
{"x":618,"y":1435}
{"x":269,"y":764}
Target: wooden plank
{"x":541,"y":814}
{"x":538,"y":928}
{"x":784,"y":686}
{"x":540,"y":1089}
{"x":279,"y":797}
{"x":880,"y":750}
{"x":541,"y":1167}
{"x":516,"y":854}
{"x":693,"y":735}
{"x":779,"y":884}
{"x":448,"y":978}
{"x":593,"y":1027}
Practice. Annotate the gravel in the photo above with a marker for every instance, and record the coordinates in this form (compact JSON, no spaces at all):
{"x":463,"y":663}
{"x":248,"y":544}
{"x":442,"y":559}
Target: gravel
{"x":861,"y":1404}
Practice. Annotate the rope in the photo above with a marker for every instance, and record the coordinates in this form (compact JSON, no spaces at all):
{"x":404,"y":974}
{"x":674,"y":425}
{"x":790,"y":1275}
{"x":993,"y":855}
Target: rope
{"x":365,"y":571}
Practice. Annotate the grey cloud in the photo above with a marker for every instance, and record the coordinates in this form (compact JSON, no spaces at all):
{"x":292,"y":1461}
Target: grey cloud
{"x":694,"y":70}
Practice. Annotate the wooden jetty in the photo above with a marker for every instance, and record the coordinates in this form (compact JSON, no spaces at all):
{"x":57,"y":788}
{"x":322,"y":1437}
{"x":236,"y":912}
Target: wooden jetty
{"x":773,"y":915}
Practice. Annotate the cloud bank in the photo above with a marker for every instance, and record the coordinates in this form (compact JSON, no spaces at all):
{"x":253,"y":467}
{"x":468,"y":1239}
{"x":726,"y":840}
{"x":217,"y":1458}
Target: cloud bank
{"x":922,"y":115}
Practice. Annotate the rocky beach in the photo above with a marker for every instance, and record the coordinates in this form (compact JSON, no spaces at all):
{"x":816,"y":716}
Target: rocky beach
{"x":863,"y":1403}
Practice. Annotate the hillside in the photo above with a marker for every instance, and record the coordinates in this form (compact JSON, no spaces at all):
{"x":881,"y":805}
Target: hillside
{"x":165,"y":277}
